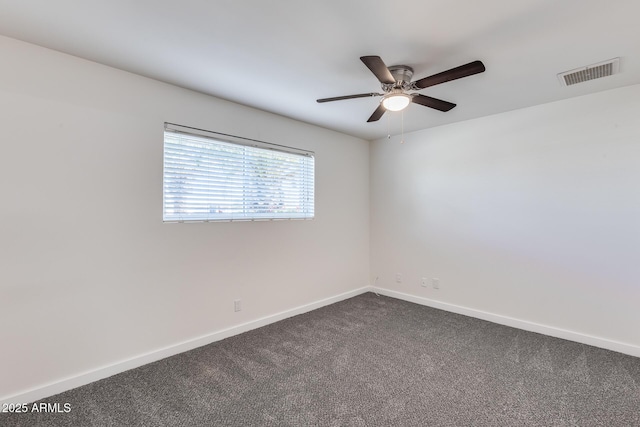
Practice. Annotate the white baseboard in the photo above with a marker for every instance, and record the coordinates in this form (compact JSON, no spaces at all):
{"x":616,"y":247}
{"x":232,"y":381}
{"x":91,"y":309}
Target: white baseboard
{"x":620,"y":347}
{"x":53,"y":388}
{"x":84,"y":378}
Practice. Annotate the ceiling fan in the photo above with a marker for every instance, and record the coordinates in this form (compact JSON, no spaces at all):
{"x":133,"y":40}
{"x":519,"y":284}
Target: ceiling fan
{"x":396,"y":84}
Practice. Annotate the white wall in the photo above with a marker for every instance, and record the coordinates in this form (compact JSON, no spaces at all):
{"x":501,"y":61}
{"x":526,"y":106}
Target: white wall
{"x":90,"y":276}
{"x":532,"y":215}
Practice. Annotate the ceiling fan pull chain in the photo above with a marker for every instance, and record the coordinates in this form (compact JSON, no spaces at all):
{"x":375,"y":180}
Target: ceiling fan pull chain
{"x":402,"y":127}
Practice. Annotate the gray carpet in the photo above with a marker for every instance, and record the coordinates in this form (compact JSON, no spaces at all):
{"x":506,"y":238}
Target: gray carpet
{"x":367,"y":361}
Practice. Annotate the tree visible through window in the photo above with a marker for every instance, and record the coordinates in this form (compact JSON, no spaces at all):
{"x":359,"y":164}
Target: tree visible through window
{"x":208,"y":179}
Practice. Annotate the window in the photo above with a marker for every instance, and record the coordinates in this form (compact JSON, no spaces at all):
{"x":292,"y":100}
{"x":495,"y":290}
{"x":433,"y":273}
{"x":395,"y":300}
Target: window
{"x":216,"y":178}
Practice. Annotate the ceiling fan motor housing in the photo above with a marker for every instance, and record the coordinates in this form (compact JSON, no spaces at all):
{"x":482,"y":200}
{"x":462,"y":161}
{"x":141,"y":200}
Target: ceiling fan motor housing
{"x":402,"y":75}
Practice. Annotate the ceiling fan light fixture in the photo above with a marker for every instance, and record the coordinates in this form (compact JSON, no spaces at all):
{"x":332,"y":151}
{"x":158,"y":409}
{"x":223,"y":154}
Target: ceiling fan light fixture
{"x":396,"y":101}
{"x":396,"y":81}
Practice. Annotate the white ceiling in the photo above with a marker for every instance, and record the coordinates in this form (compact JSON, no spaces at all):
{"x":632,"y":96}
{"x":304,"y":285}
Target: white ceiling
{"x":281,"y":55}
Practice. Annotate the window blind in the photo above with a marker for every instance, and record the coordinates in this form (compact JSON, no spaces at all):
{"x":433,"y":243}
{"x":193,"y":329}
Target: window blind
{"x":210,"y":179}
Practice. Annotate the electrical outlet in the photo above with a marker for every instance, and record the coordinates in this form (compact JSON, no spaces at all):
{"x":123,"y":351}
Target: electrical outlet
{"x":398,"y":278}
{"x":237,"y":305}
{"x":424,"y":282}
{"x":435,"y":283}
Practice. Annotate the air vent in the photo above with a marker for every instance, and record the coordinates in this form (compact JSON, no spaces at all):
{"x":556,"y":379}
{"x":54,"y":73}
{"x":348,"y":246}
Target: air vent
{"x":590,"y":72}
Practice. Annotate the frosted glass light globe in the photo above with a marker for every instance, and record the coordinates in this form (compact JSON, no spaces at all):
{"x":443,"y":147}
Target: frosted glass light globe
{"x":396,"y":101}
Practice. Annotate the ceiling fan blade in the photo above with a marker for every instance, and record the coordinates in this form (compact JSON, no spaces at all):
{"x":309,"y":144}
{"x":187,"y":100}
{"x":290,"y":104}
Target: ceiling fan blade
{"x":340,"y":98}
{"x":377,"y":114}
{"x":378,"y":68}
{"x":465,"y":70}
{"x":428,"y":101}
